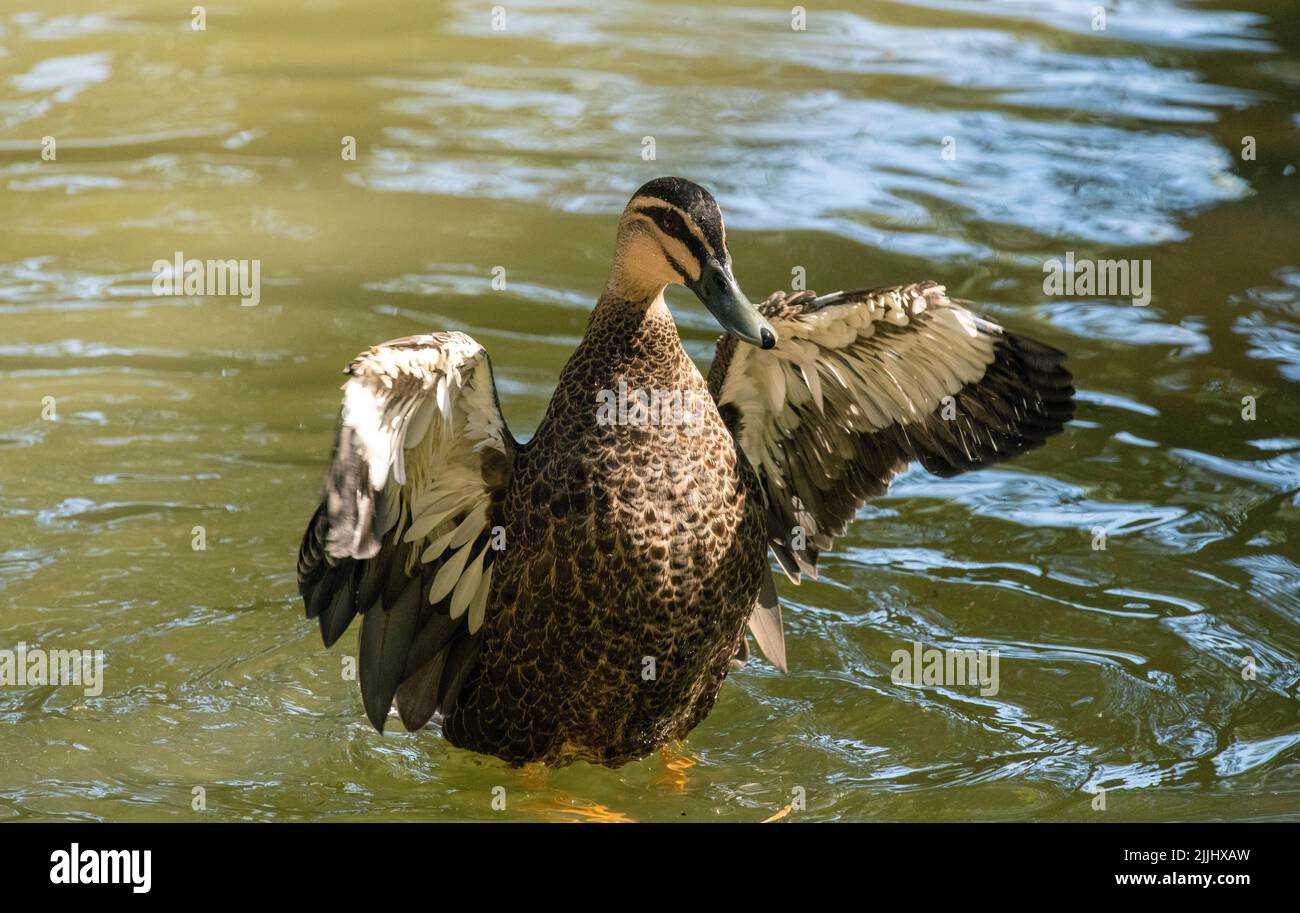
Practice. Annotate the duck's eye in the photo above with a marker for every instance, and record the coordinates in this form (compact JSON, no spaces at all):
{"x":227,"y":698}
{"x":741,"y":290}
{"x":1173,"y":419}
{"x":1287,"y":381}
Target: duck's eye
{"x":672,"y":223}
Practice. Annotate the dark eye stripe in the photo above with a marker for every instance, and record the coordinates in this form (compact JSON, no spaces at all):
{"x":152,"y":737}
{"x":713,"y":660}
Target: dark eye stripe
{"x":672,"y":261}
{"x":685,"y":235}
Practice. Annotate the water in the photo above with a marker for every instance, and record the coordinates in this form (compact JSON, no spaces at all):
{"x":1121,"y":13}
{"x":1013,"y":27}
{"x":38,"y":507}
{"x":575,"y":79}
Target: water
{"x":1120,"y":669}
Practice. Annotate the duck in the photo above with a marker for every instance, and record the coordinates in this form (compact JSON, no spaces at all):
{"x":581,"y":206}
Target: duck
{"x":582,"y":596}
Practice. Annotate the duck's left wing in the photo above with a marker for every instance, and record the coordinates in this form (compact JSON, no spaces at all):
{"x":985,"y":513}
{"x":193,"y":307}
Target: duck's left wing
{"x":860,"y":384}
{"x":403,"y":534}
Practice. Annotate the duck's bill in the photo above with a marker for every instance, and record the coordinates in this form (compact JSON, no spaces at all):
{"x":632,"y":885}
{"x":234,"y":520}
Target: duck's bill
{"x":717,"y":288}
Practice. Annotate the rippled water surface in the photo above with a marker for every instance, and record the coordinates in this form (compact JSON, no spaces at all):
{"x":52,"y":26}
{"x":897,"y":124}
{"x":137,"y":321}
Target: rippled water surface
{"x":1121,"y":669}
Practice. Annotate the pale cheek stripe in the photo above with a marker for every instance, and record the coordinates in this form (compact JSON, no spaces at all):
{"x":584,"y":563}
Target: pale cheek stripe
{"x":660,"y":238}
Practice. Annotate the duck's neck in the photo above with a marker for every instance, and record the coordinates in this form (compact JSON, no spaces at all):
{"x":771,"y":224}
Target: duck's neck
{"x":630,"y":337}
{"x":636,"y":310}
{"x":631,"y":310}
{"x":640,"y":320}
{"x":629,"y":344}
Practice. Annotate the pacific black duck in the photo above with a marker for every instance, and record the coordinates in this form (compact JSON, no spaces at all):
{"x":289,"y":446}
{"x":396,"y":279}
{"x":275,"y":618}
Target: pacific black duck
{"x":584,"y":595}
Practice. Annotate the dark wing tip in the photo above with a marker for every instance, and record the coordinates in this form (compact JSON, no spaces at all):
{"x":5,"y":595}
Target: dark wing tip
{"x":327,"y":587}
{"x":1025,"y":397}
{"x":387,"y":631}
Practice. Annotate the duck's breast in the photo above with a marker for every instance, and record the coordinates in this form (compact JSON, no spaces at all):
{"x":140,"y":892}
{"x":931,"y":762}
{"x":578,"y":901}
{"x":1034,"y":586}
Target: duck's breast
{"x":634,"y":553}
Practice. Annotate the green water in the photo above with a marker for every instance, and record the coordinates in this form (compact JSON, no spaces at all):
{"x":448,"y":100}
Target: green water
{"x":127,"y":419}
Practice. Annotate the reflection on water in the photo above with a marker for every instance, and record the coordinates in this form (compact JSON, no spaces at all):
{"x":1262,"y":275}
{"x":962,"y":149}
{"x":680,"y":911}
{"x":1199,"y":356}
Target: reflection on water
{"x":1163,"y":669}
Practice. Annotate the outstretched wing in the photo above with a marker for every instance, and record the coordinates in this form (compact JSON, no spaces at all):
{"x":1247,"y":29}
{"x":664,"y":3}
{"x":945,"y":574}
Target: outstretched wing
{"x":862,"y":383}
{"x":403,"y":531}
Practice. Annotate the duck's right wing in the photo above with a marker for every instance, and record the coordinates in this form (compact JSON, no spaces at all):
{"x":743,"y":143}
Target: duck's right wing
{"x":862,"y":383}
{"x":404,"y":531}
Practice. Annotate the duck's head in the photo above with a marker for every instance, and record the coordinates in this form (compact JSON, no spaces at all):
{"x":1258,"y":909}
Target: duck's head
{"x":672,"y":232}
